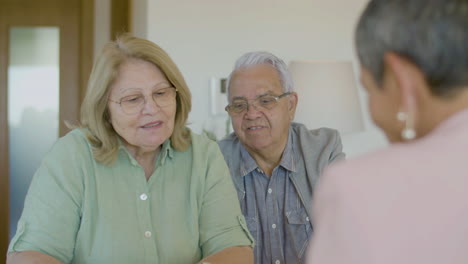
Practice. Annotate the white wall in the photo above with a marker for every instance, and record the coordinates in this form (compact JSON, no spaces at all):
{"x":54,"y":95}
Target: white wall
{"x":102,"y":16}
{"x":139,"y":19}
{"x":205,"y":37}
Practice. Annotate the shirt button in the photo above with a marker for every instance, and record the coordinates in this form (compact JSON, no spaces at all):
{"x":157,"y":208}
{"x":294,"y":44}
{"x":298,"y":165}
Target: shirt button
{"x":270,"y":190}
{"x":277,"y":262}
{"x":144,"y":197}
{"x":307,"y":218}
{"x":273,"y":225}
{"x":148,"y":234}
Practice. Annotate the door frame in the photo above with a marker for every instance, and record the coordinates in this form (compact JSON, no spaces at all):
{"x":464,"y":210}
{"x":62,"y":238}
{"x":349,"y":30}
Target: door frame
{"x":71,"y":90}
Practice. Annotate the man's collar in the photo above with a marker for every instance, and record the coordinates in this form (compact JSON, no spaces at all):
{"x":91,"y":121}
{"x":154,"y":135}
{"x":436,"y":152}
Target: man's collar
{"x":288,"y":160}
{"x":248,"y":163}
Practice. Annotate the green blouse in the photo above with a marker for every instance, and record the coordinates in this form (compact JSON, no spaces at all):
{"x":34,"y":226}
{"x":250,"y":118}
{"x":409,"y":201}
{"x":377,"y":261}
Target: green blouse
{"x":81,"y":211}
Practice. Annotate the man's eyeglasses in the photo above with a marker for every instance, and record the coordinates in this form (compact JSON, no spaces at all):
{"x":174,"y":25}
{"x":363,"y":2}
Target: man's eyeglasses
{"x":134,"y":103}
{"x":267,"y":101}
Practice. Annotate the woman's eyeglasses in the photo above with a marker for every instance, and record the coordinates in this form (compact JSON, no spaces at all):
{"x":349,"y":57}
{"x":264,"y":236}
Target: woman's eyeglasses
{"x":134,"y":103}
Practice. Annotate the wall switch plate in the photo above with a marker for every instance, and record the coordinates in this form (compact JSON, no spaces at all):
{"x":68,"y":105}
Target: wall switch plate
{"x":218,"y":96}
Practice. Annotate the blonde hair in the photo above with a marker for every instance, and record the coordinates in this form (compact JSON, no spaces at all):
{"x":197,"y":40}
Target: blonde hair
{"x":94,"y":110}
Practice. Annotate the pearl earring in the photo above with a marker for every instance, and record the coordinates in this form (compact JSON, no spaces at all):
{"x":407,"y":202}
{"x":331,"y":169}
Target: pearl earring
{"x":408,"y":132}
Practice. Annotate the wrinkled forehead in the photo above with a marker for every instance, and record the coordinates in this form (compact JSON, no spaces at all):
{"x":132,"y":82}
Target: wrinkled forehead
{"x":254,"y":81}
{"x":258,"y":97}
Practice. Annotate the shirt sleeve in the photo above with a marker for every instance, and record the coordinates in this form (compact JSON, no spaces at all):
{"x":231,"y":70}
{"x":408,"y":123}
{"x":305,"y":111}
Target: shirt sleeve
{"x":337,"y":153}
{"x":52,"y":210}
{"x":222,"y":224}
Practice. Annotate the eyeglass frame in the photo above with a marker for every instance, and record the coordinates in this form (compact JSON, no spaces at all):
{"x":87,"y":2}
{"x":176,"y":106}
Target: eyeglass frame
{"x":144,"y":100}
{"x":276,"y":97}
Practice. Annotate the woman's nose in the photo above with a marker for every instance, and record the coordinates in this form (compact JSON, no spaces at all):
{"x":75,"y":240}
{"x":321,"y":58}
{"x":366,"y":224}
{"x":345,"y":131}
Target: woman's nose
{"x":150,"y":106}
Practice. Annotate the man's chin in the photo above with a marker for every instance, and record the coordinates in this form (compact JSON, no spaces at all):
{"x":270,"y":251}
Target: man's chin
{"x":257,"y":146}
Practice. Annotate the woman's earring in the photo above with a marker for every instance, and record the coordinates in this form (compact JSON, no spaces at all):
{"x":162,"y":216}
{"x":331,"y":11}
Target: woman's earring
{"x":408,"y":132}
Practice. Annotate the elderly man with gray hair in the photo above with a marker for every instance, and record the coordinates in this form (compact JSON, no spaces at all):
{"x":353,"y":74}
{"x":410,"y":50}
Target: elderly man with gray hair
{"x":274,"y":162}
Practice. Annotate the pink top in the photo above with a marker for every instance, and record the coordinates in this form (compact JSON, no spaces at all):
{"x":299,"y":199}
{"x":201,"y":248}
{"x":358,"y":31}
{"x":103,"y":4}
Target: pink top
{"x":405,"y":204}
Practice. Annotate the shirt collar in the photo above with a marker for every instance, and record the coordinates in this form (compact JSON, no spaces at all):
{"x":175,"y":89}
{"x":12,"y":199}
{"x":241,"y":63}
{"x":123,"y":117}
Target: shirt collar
{"x":289,"y":156}
{"x":248,"y":163}
{"x":166,"y":151}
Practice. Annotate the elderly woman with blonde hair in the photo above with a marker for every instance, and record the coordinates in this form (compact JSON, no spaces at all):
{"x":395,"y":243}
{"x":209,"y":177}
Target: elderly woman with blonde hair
{"x":132,"y":184}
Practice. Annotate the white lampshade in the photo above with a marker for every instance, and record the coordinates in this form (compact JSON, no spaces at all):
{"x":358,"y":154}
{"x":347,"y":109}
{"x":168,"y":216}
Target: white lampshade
{"x":328,"y":96}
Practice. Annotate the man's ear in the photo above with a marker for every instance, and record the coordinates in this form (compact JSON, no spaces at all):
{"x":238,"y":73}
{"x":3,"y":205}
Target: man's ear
{"x":292,"y":104}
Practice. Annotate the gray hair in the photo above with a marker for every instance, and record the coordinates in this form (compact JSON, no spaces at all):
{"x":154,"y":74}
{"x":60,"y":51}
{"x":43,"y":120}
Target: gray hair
{"x":432,"y":34}
{"x":262,"y":57}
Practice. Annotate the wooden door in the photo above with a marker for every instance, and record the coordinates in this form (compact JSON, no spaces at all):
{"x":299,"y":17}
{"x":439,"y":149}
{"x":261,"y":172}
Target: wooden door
{"x":74,"y":20}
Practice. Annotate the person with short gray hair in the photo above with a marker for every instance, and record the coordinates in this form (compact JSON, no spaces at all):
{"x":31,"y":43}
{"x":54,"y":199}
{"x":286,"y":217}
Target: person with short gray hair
{"x":407,"y":203}
{"x":263,"y":57}
{"x":273,"y":161}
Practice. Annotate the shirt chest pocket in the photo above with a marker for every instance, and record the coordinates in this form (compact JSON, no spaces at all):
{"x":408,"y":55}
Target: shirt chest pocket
{"x":300,"y":229}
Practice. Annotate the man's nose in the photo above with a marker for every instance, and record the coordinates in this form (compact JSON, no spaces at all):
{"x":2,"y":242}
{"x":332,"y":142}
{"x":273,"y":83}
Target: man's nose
{"x":252,"y":110}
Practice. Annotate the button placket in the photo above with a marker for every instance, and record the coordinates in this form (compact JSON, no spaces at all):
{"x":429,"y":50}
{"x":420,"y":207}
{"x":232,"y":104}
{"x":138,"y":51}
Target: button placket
{"x":142,"y":198}
{"x":144,"y":215}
